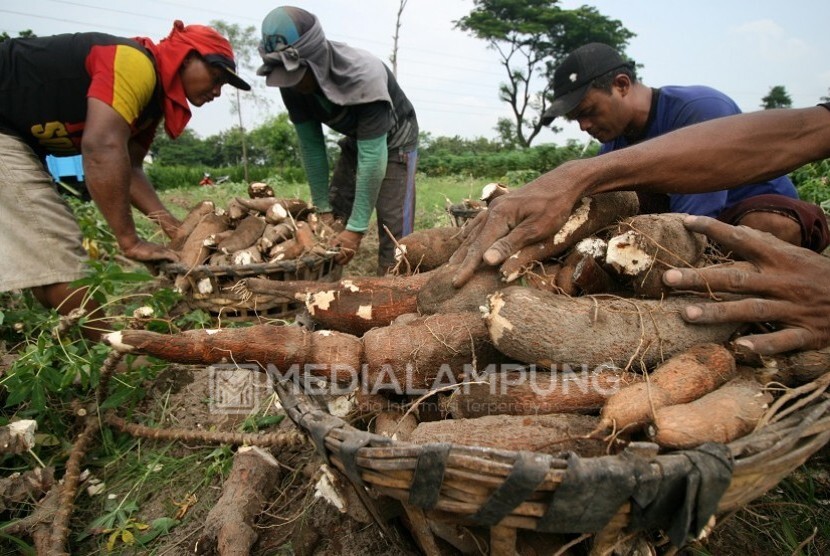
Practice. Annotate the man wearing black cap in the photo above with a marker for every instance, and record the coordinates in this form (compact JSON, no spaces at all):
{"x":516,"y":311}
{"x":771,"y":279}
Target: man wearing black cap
{"x":354,"y":93}
{"x":597,"y":88}
{"x":103,"y":97}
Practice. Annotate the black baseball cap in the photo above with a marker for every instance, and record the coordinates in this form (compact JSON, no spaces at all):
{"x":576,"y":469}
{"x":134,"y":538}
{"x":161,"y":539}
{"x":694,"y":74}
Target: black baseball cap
{"x":574,"y":75}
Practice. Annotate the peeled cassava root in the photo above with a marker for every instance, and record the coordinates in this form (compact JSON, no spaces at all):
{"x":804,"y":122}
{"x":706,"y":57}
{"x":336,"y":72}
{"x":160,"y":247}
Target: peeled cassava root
{"x":540,"y":327}
{"x":684,"y":378}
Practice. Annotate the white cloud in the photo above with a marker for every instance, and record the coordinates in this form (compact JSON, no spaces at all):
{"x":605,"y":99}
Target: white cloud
{"x":771,"y":41}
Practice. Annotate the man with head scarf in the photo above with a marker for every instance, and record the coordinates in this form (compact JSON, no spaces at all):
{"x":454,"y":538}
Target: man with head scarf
{"x":103,"y":97}
{"x":354,"y":93}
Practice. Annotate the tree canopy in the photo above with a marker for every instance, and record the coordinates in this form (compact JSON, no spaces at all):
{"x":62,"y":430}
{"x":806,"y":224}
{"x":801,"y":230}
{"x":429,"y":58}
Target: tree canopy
{"x":531,"y":38}
{"x":777,"y":98}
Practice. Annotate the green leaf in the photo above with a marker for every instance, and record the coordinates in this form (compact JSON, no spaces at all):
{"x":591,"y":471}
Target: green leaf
{"x":127,"y":537}
{"x":158,"y":527}
{"x":38,"y":397}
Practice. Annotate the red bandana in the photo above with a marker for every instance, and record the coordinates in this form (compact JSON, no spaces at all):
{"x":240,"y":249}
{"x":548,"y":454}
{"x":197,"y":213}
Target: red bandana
{"x":169,"y":55}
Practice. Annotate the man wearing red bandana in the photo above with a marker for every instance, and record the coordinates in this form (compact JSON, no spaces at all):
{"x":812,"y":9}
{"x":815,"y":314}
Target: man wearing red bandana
{"x":103,"y":97}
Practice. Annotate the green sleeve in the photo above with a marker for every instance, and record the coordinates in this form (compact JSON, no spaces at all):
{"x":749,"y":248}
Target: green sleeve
{"x":371,"y":169}
{"x":316,"y":162}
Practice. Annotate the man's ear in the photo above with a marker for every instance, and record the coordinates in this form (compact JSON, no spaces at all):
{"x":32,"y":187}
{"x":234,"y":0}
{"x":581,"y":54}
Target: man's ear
{"x":622,"y":83}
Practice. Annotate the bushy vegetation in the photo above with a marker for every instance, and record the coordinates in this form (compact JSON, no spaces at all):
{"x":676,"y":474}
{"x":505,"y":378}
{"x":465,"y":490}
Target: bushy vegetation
{"x":813,"y":183}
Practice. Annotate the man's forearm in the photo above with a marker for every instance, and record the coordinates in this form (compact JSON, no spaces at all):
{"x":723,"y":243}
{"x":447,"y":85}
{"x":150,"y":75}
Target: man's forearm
{"x":714,"y":155}
{"x":315,"y":162}
{"x":372,"y":157}
{"x":144,"y":197}
{"x":107,"y":174}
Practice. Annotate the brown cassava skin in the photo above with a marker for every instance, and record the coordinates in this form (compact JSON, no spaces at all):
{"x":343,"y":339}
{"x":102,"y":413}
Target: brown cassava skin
{"x":549,"y":434}
{"x":589,"y":216}
{"x":790,"y":369}
{"x":298,"y":289}
{"x":229,"y":526}
{"x":540,"y":327}
{"x":295,"y":207}
{"x":685,"y":377}
{"x":353,"y":305}
{"x":665,"y":241}
{"x":540,"y":393}
{"x":565,"y":277}
{"x":304,"y":236}
{"x":724,"y":415}
{"x":405,"y":356}
{"x":287,"y":250}
{"x":325,"y":352}
{"x":190,"y":222}
{"x":591,"y":278}
{"x":395,"y":424}
{"x":438,"y":295}
{"x":245,"y":235}
{"x":194,"y":252}
{"x":356,"y":312}
{"x":236,"y":211}
{"x":428,"y":249}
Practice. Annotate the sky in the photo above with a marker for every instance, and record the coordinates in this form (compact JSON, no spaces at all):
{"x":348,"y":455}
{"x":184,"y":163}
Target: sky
{"x":742,"y":48}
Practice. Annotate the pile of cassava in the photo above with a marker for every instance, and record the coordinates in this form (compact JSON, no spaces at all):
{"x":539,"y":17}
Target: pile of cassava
{"x":573,"y":344}
{"x":258,"y":229}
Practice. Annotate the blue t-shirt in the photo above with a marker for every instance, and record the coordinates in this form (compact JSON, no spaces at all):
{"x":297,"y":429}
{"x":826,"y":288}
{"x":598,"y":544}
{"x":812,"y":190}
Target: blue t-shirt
{"x":676,"y":107}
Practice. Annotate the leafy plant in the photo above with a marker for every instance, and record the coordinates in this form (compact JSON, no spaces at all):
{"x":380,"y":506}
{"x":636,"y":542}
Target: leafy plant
{"x":813,"y":183}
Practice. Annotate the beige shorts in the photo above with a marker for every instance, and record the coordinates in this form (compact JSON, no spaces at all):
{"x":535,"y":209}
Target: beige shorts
{"x":40,"y":241}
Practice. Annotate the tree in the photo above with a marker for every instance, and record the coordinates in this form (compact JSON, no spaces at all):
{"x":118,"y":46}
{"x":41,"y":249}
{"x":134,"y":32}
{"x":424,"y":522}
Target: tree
{"x":394,"y":57}
{"x":27,"y":34}
{"x":245,"y":43}
{"x":274,"y":143}
{"x":827,"y":98}
{"x":777,"y":98}
{"x":531,"y":37}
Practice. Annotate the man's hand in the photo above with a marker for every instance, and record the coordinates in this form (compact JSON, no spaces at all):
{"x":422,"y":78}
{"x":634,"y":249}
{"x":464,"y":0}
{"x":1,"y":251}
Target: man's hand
{"x":147,"y":252}
{"x":789,"y":284}
{"x":515,"y":220}
{"x":327,"y":218}
{"x":348,"y":242}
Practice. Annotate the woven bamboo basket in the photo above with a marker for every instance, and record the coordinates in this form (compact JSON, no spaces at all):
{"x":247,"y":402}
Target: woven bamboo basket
{"x":511,"y":492}
{"x":220,"y":290}
{"x":460,"y":213}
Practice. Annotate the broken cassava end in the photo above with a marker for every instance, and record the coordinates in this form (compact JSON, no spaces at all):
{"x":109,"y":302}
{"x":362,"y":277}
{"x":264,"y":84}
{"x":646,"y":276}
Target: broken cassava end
{"x":115,"y":340}
{"x":625,"y":256}
{"x":497,"y":323}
